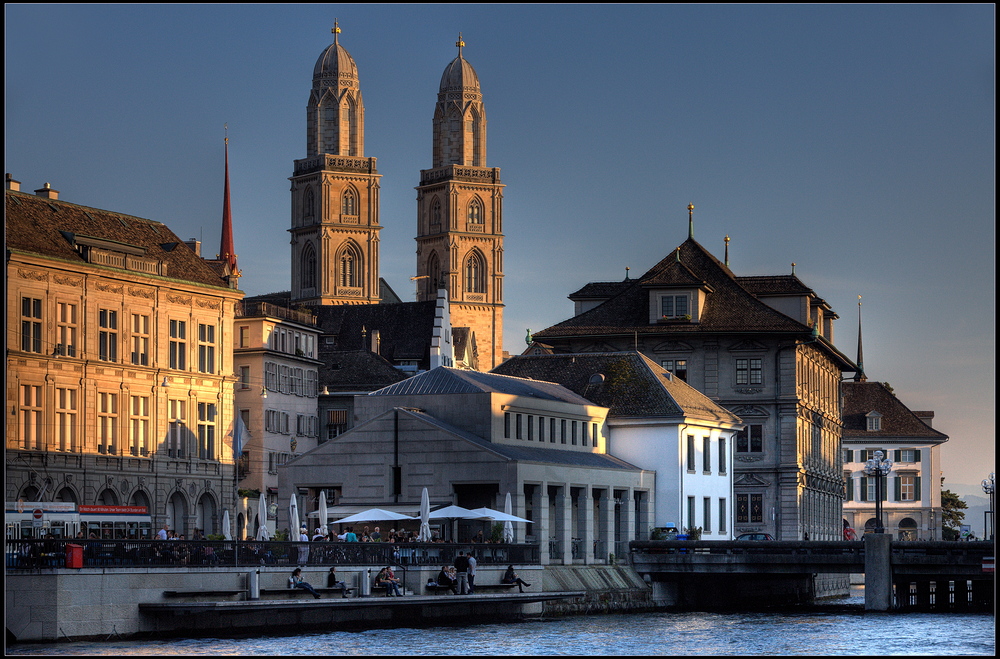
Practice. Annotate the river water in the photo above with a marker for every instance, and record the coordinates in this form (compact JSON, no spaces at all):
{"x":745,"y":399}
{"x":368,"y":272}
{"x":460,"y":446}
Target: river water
{"x":820,"y":630}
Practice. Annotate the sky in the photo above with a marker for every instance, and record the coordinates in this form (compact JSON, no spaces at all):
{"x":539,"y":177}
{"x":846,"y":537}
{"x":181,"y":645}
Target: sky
{"x":857,"y":141}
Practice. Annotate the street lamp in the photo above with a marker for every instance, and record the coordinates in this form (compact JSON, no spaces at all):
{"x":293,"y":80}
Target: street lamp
{"x":989,"y":487}
{"x":878,"y":468}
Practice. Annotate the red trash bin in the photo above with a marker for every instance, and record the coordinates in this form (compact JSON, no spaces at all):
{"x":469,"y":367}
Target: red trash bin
{"x":74,"y":555}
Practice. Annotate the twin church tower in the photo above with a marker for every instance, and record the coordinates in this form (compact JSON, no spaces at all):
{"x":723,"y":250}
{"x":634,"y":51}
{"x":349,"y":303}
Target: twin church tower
{"x":335,"y":204}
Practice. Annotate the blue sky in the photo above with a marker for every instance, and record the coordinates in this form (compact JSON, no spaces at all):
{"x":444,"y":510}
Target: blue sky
{"x":856,"y":141}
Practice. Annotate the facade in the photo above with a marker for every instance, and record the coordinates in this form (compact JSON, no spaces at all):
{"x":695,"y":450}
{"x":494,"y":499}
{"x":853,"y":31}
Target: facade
{"x":277,"y":369}
{"x":119,"y":371}
{"x":657,"y":422}
{"x":875,"y":420}
{"x":762,"y":348}
{"x":471,"y":438}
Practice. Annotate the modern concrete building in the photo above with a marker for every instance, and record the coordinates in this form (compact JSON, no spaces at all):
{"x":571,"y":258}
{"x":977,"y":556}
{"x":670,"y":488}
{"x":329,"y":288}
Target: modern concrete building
{"x":875,"y":420}
{"x":761,"y":347}
{"x":658,"y":422}
{"x":119,"y":363}
{"x":471,"y":438}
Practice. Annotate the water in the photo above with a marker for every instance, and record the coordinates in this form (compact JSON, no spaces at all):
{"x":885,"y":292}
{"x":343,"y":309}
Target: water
{"x":819,"y":631}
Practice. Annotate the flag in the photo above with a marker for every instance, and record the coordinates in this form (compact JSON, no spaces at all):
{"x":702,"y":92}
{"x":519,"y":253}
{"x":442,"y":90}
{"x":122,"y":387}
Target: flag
{"x":239,"y":434}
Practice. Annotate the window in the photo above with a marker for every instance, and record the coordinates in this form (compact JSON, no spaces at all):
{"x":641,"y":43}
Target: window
{"x":66,"y":328}
{"x":907,"y":455}
{"x":177,"y":415}
{"x":308,"y":203}
{"x":848,"y":455}
{"x":31,"y":324}
{"x":349,"y":205}
{"x":308,"y":266}
{"x":206,"y":431}
{"x":312,"y":384}
{"x":107,"y":423}
{"x":244,"y":336}
{"x":140,"y":339}
{"x":585,"y":440}
{"x":874,"y":421}
{"x":107,"y":338}
{"x":723,"y":521}
{"x":31,"y":417}
{"x":573,"y":432}
{"x":552,"y":430}
{"x":244,"y":381}
{"x":139,"y":425}
{"x":436,"y":215}
{"x":283,"y":379}
{"x":297,"y":383}
{"x":848,"y":487}
{"x":531,"y":428}
{"x":750,"y":439}
{"x":679,"y":367}
{"x":475,"y":212}
{"x":749,"y":371}
{"x":178,"y":345}
{"x":870,"y":489}
{"x":749,"y":508}
{"x":690,"y":453}
{"x":593,"y":428}
{"x":562,"y":431}
{"x":506,"y":425}
{"x":206,"y":348}
{"x":518,"y":432}
{"x":475,"y":273}
{"x":270,"y":376}
{"x":723,"y":458}
{"x":907,"y":487}
{"x":674,"y":306}
{"x":349,"y":268}
{"x":706,"y":455}
{"x":706,"y":514}
{"x":690,"y":513}
{"x":541,"y":428}
{"x":336,"y":423}
{"x":66,"y":416}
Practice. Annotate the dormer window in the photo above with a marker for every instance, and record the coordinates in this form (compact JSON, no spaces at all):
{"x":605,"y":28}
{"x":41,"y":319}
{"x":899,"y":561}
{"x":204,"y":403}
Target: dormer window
{"x":675,"y":306}
{"x":874,"y":421}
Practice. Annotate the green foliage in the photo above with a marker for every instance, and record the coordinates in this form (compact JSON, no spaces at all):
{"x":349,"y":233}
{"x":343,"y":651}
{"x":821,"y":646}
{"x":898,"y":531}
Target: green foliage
{"x":693,"y":533}
{"x":952,"y":515}
{"x":496,"y":532}
{"x":247,"y":493}
{"x":280,"y":536}
{"x":215,"y":536}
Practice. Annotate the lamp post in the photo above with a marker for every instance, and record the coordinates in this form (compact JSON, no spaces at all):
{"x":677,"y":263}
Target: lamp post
{"x":989,"y":488}
{"x":878,"y":468}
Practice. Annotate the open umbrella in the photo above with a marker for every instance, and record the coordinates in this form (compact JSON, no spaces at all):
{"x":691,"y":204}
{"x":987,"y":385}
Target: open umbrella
{"x":322,"y":511}
{"x":262,"y":532}
{"x":497,"y":516}
{"x":225,"y":526}
{"x":425,"y":512}
{"x":373,"y":515}
{"x":508,"y":528}
{"x":453,"y":514}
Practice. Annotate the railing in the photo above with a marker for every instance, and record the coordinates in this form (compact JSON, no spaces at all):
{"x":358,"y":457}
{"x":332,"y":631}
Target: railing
{"x":38,"y":554}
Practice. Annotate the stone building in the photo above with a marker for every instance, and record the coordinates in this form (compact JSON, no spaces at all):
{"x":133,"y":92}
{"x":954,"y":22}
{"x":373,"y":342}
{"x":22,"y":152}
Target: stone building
{"x":119,"y":363}
{"x":761,"y":347}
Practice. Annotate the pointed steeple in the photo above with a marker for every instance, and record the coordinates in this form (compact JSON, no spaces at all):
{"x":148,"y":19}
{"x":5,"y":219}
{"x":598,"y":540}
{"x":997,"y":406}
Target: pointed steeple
{"x":859,"y":376}
{"x":227,"y":251}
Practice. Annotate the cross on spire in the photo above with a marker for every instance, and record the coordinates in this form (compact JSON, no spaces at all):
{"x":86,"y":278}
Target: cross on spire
{"x":460,"y":44}
{"x":336,"y":31}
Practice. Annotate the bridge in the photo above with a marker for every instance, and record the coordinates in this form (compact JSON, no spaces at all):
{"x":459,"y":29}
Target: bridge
{"x":940,"y":576}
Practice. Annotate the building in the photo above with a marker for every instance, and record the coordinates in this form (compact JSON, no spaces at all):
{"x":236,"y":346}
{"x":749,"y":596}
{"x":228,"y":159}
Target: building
{"x":761,"y":347}
{"x":471,"y":438}
{"x":657,"y":422}
{"x":875,"y":420}
{"x":277,"y":368}
{"x":119,"y":367}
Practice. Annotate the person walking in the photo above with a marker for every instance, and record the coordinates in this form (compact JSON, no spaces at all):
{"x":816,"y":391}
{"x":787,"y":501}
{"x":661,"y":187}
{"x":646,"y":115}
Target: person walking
{"x":472,"y":573}
{"x":462,"y":572}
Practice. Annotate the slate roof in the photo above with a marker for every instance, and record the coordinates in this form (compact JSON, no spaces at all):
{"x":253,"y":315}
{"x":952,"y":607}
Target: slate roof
{"x":444,"y":380}
{"x":46,"y":227}
{"x":860,"y":398}
{"x":632,"y":384}
{"x":728,"y":308}
{"x":356,"y":370}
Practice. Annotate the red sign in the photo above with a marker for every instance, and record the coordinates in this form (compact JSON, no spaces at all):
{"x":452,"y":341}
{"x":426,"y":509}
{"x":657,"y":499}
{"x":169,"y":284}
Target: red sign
{"x":37,"y":514}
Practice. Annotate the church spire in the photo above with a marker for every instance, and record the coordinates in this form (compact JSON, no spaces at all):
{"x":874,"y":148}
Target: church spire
{"x":227,"y":251}
{"x":860,"y":375}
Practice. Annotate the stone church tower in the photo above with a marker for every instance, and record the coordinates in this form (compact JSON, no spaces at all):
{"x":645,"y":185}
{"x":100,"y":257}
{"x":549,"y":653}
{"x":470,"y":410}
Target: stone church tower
{"x":335,"y":192}
{"x":460,"y":214}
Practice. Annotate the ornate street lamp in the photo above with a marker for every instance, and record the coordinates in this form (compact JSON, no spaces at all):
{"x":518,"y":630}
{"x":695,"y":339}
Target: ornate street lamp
{"x":989,"y":488}
{"x":878,"y":468}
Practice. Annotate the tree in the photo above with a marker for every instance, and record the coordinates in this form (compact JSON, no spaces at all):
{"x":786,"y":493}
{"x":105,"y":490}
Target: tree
{"x":952,"y":514}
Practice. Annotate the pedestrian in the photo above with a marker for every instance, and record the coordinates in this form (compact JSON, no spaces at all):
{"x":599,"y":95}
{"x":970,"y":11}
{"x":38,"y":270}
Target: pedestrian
{"x":472,"y":573}
{"x":462,"y":572}
{"x":162,"y":533}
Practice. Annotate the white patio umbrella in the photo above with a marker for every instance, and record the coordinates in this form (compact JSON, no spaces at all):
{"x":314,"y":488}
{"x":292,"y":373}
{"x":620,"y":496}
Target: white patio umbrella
{"x":322,"y":510}
{"x":453,"y":514}
{"x":293,"y":518}
{"x":373,"y":515}
{"x":425,"y":512}
{"x":262,"y":533}
{"x":226,"y":533}
{"x":497,"y":516}
{"x":508,"y":527}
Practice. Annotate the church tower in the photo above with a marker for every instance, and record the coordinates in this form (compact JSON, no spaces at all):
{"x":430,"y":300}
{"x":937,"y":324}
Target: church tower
{"x":460,"y":214}
{"x":335,"y":192}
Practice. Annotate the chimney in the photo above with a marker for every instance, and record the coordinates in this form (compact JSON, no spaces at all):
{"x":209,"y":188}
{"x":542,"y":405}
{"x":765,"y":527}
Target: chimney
{"x":195,"y":245}
{"x":927,"y":417}
{"x":47,"y":192}
{"x":12,"y":185}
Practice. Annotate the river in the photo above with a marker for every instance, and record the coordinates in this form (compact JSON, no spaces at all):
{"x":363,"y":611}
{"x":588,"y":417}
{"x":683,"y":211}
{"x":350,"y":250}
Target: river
{"x":820,"y":630}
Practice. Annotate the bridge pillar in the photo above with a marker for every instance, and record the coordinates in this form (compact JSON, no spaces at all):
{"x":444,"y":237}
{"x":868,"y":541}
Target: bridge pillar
{"x":878,"y":572}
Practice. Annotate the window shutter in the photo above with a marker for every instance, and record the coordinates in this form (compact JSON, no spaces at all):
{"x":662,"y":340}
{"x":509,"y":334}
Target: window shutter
{"x":848,"y":455}
{"x":916,"y":455}
{"x":897,"y":487}
{"x":916,"y":487}
{"x":864,"y":489}
{"x":897,"y":455}
{"x":849,"y":489}
{"x":885,"y":488}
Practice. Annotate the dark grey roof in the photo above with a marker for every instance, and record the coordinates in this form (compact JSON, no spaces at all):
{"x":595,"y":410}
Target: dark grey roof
{"x":628,"y":383}
{"x":861,"y":398}
{"x":444,"y":380}
{"x":356,"y":370}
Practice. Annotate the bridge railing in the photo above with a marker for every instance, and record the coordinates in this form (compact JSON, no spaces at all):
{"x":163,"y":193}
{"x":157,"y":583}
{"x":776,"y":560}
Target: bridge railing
{"x":747,"y":547}
{"x":36,"y":554}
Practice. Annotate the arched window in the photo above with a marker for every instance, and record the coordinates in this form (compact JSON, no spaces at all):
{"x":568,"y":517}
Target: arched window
{"x":308,"y":204}
{"x":107,"y":497}
{"x":475,"y":212}
{"x":436,"y":215}
{"x":349,"y":205}
{"x":308,"y":266}
{"x":433,"y":275}
{"x":349,"y":267}
{"x":475,"y":273}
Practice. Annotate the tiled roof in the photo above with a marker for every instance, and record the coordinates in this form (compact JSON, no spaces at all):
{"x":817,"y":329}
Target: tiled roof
{"x":628,"y":383}
{"x":728,"y":308}
{"x":356,"y":370}
{"x":774,"y":285}
{"x":861,"y":398}
{"x":601,"y":289}
{"x":43,"y":226}
{"x":443,"y":380}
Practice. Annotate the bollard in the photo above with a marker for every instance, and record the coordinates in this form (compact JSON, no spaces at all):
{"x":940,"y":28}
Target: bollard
{"x":253,"y":585}
{"x":365,"y":583}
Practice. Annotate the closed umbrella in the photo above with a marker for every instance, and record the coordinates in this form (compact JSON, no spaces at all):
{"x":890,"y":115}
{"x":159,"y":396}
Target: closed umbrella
{"x":322,"y":511}
{"x":293,"y":518}
{"x":508,"y":527}
{"x":262,"y":532}
{"x":425,"y":512}
{"x":226,"y":533}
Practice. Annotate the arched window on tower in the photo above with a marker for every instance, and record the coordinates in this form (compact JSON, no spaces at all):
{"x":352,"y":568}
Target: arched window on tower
{"x":475,"y":215}
{"x":308,"y":204}
{"x":349,"y":273}
{"x":308,"y":266}
{"x":475,"y":273}
{"x":349,"y":206}
{"x":436,"y":216}
{"x":433,"y":282}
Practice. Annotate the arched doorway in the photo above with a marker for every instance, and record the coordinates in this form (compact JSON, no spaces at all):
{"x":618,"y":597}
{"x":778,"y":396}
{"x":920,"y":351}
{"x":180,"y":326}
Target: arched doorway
{"x":177,"y":513}
{"x":205,"y":514}
{"x":107,"y":497}
{"x":67,"y":495}
{"x":140,"y":498}
{"x":870,"y":525}
{"x":907,"y":529}
{"x":241,"y":527}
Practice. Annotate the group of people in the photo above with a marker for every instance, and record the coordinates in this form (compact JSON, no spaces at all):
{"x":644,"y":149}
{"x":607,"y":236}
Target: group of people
{"x":460,"y":577}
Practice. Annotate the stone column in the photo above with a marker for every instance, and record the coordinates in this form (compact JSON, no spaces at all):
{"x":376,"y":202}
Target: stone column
{"x":587,"y":527}
{"x":543,"y":525}
{"x":878,"y":572}
{"x":564,"y":503}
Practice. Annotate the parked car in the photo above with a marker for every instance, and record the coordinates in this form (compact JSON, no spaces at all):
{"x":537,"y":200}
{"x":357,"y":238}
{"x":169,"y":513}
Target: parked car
{"x":755,"y":536}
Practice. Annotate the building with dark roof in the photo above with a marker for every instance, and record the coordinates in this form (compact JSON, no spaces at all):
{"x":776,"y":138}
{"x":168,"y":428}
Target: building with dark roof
{"x":471,"y":438}
{"x":876,"y":420}
{"x":760,"y":347}
{"x":119,"y":369}
{"x":658,"y":422}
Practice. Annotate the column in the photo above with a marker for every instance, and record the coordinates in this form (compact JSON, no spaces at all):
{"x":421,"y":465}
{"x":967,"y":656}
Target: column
{"x":587,"y":525}
{"x":543,"y":525}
